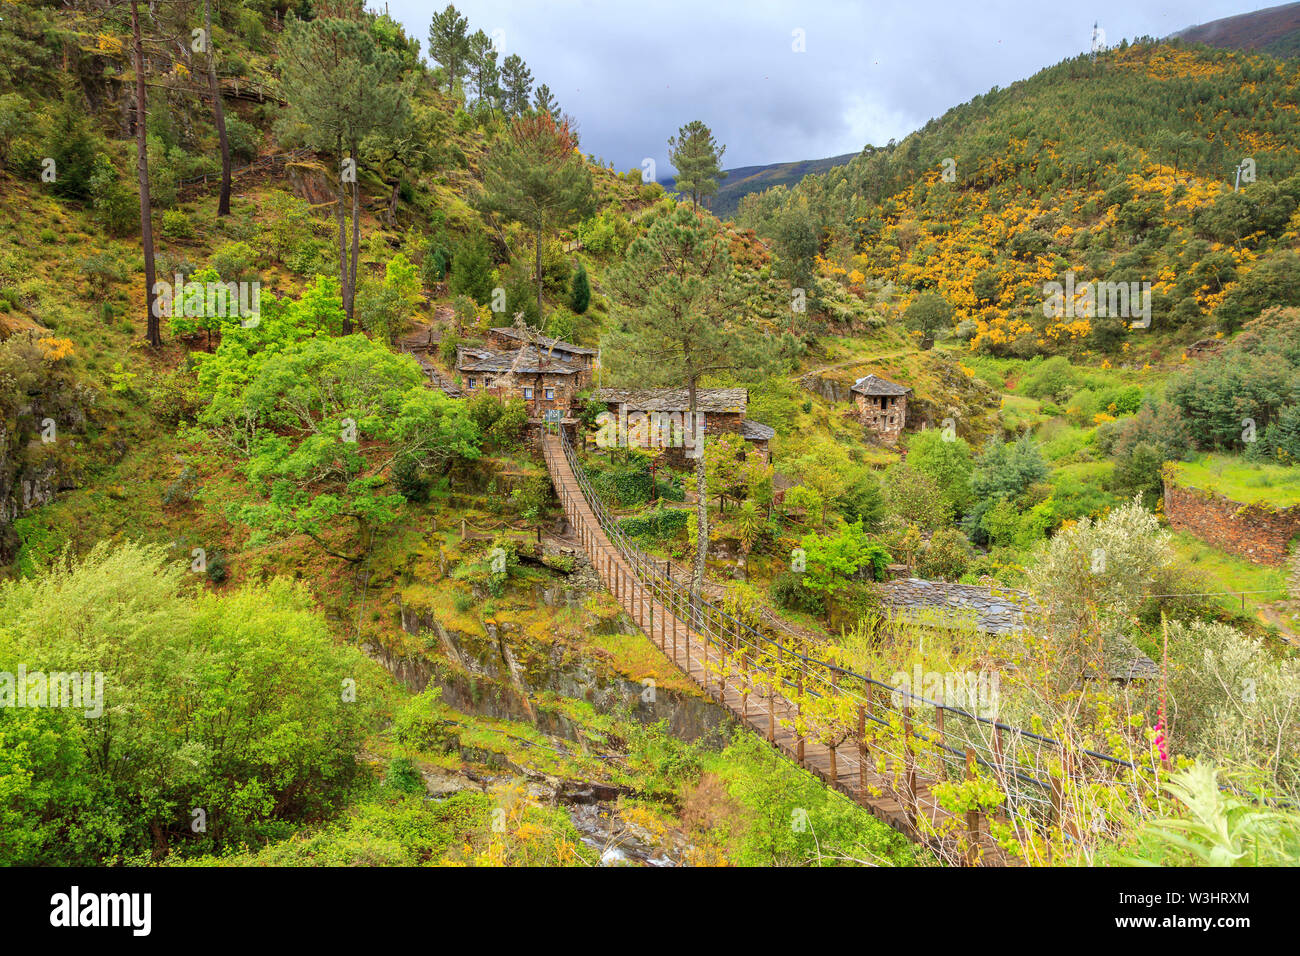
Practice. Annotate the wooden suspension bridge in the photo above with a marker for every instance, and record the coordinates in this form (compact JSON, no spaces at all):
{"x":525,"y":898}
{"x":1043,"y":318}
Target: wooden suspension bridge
{"x":762,"y":681}
{"x":664,"y":611}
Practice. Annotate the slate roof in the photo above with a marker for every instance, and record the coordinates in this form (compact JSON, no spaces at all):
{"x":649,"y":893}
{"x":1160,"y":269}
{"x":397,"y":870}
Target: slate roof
{"x":546,"y":342}
{"x":530,"y":362}
{"x":875,"y":385}
{"x":751,"y":430}
{"x":731,"y":400}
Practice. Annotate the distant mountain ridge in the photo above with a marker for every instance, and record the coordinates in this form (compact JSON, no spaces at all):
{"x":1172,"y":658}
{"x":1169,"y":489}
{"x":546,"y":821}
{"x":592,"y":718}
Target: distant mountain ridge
{"x":1273,"y":30}
{"x":743,"y":180}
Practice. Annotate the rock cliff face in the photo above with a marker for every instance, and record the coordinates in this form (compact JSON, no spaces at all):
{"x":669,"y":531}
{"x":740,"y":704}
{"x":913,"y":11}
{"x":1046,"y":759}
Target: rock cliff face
{"x":42,"y":414}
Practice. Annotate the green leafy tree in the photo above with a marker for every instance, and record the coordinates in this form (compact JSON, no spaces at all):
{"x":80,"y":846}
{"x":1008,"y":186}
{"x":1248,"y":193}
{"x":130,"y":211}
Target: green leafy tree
{"x":697,"y":157}
{"x":928,"y":313}
{"x":947,"y":459}
{"x":235,"y":703}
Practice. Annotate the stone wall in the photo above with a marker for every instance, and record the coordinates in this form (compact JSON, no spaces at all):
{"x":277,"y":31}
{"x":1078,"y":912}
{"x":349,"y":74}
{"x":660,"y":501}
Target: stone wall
{"x":996,"y":611}
{"x":1257,"y":532}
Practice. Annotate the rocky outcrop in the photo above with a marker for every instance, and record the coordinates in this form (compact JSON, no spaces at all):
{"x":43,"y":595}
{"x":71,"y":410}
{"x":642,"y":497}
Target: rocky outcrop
{"x":41,"y":419}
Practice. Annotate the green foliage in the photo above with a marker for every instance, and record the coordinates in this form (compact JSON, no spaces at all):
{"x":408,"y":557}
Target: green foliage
{"x":913,"y":497}
{"x":792,"y":819}
{"x":660,"y":523}
{"x":929,"y":313}
{"x":1215,"y":828}
{"x":580,"y":290}
{"x":320,"y":421}
{"x":471,"y":270}
{"x":176,"y":225}
{"x":286,"y":224}
{"x":1003,"y":472}
{"x":236,"y":705}
{"x":72,"y":146}
{"x":1254,"y":379}
{"x":116,"y":207}
{"x":947,"y":461}
{"x":790,"y":591}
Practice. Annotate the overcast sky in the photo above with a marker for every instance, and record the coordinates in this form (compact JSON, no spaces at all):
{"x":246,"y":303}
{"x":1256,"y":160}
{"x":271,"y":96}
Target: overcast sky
{"x":631,"y":73}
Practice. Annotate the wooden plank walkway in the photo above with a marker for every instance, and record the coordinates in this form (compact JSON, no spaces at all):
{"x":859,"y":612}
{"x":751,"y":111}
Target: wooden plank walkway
{"x":846,"y":769}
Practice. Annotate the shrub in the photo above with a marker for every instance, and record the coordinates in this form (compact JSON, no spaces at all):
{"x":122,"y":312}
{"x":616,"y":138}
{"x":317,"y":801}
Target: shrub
{"x":659,"y":523}
{"x":234,"y":261}
{"x":176,"y":225}
{"x":471,"y":270}
{"x":789,"y":591}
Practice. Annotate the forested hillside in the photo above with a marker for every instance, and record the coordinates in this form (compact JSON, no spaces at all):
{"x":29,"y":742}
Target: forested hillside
{"x":1118,"y":168}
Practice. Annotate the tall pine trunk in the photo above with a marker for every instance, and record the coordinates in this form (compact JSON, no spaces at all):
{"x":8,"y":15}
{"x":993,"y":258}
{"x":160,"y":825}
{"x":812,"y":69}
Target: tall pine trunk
{"x":702,"y":502}
{"x":153,"y":323}
{"x":356,"y":239}
{"x":341,"y":215}
{"x":218,"y":115}
{"x":538,"y":243}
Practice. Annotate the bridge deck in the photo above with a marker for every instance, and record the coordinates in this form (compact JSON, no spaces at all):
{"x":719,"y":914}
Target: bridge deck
{"x":773,"y":718}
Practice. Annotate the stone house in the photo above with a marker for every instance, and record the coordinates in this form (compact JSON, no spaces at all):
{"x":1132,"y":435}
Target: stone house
{"x":505,"y":339}
{"x":882,"y":406}
{"x":724,"y":410}
{"x":544,"y":384}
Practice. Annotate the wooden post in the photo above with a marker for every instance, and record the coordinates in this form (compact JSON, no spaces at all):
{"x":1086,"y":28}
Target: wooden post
{"x":862,"y":746}
{"x":798,"y":716}
{"x":1001,"y":775}
{"x":943,"y":764}
{"x":972,"y":816}
{"x":771,"y":699}
{"x":909,"y":766}
{"x":676,"y":611}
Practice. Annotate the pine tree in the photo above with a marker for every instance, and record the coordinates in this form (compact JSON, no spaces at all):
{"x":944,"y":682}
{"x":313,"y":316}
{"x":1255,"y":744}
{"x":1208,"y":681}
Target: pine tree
{"x":544,"y":102}
{"x":535,"y":176}
{"x":449,"y":43}
{"x":681,"y":319}
{"x":343,"y":88}
{"x":483,"y":68}
{"x":471,"y":270}
{"x":580,"y":290}
{"x":517,"y":85}
{"x":696,"y":157}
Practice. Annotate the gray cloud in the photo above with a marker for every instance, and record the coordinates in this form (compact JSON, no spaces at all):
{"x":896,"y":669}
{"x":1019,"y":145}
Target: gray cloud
{"x":633,"y":73}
